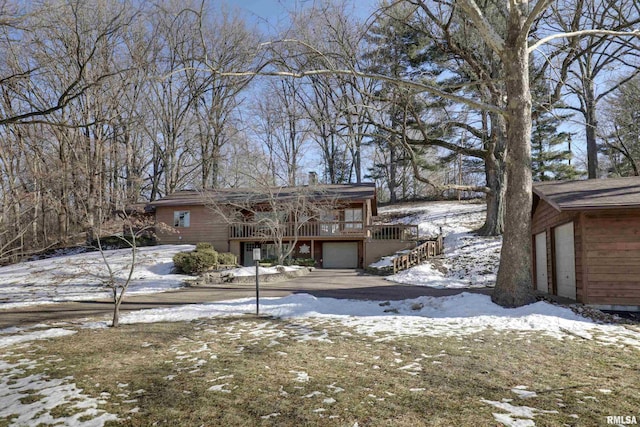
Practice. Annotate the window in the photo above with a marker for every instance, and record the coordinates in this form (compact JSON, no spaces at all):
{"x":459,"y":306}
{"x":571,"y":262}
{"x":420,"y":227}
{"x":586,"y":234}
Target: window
{"x":353,"y":218}
{"x":270,"y":217}
{"x":181,"y":218}
{"x":328,"y":225}
{"x":270,"y":250}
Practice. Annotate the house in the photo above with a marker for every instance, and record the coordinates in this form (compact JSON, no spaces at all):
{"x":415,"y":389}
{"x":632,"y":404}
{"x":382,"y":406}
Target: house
{"x":586,"y":241}
{"x":331,"y":224}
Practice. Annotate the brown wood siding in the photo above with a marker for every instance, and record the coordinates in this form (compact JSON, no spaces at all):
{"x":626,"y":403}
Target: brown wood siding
{"x":205,"y":226}
{"x":546,"y":218}
{"x":612,"y":256}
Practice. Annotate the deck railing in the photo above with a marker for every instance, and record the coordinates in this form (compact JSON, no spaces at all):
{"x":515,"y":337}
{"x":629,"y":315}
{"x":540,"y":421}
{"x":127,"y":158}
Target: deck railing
{"x":246,"y":230}
{"x":403,"y":232}
{"x":428,"y":249}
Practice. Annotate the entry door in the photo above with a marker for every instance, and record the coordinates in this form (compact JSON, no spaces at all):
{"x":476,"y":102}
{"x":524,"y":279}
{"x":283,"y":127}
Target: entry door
{"x":542,"y":281}
{"x":340,"y":255}
{"x":248,"y":254}
{"x":565,"y":261}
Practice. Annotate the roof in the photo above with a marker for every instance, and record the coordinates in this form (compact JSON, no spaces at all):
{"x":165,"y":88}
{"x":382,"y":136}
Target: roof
{"x":362,"y":191}
{"x":611,"y":193}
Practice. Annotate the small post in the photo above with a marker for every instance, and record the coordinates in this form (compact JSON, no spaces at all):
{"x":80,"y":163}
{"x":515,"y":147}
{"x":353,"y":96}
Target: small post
{"x":256,"y":258}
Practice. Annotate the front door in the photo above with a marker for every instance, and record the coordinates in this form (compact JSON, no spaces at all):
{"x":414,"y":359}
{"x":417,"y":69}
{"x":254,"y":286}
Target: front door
{"x":247,"y":254}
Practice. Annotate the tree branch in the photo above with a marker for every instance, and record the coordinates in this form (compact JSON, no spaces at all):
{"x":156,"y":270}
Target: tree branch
{"x":485,"y":29}
{"x":536,"y":45}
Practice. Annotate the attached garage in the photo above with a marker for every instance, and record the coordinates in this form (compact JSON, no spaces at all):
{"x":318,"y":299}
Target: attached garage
{"x":340,"y":255}
{"x":586,"y":240}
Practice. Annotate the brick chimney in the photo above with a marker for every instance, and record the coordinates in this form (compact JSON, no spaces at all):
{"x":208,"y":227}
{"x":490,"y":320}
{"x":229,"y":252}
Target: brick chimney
{"x":313,"y":178}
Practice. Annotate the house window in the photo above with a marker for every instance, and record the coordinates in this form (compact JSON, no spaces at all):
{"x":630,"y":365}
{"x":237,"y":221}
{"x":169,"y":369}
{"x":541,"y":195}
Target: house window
{"x":181,"y":218}
{"x":270,"y":250}
{"x":328,"y":225}
{"x":353,"y":218}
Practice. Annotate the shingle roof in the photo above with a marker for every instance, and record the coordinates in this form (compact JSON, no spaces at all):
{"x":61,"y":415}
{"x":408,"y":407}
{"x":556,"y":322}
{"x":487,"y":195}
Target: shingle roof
{"x":362,"y":191}
{"x":590,"y":194}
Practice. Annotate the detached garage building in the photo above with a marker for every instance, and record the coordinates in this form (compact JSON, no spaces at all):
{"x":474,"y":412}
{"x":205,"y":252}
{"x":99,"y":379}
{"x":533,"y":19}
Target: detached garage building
{"x":586,"y":241}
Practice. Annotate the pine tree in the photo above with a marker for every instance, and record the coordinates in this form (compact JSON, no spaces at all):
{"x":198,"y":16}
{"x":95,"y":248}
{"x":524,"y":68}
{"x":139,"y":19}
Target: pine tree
{"x":550,"y":149}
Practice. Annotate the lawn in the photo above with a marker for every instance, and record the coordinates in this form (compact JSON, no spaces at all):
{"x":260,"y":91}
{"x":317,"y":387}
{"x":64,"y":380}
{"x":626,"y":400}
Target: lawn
{"x":458,"y":360}
{"x":244,"y":370}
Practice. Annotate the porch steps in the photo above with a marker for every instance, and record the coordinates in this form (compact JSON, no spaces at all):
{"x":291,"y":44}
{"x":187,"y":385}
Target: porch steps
{"x":406,"y":259}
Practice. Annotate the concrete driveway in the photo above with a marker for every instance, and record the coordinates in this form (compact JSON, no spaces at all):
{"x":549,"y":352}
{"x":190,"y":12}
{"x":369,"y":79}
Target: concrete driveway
{"x":347,"y":284}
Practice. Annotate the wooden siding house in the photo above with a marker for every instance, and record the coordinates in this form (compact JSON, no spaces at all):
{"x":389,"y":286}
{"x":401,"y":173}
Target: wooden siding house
{"x":586,"y":241}
{"x":340,"y":233}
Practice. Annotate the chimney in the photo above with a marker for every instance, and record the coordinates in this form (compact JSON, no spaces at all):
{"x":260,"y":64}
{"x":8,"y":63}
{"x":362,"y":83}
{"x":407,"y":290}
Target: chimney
{"x":313,"y":178}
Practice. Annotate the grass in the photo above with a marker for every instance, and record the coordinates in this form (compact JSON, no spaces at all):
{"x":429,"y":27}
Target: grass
{"x":247,"y":371}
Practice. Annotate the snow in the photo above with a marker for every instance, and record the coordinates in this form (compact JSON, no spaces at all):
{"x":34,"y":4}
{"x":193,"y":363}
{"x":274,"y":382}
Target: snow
{"x":251,"y":271}
{"x":458,"y":315}
{"x":470,"y":261}
{"x":82,"y":276}
{"x":6,"y":341}
{"x":516,"y":416}
{"x":15,"y":387}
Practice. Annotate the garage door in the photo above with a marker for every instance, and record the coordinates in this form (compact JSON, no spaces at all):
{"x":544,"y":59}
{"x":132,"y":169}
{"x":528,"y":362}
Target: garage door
{"x":542,"y":282}
{"x":340,"y":255}
{"x":565,"y":261}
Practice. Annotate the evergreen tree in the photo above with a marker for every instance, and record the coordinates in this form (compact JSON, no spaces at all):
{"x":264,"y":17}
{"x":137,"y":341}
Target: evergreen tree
{"x":393,"y":50}
{"x":550,"y":149}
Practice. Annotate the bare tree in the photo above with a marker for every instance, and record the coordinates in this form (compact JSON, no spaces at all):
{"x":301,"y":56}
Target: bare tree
{"x":58,"y":58}
{"x":283,"y":127}
{"x":274,"y":214}
{"x":592,"y":57}
{"x":128,"y":228}
{"x":621,"y":129}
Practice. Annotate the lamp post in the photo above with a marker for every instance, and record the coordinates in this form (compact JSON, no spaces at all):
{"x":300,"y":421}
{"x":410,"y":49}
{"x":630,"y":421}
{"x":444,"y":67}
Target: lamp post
{"x":256,"y":258}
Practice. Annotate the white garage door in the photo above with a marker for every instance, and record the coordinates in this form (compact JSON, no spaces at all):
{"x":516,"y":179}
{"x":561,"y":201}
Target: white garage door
{"x":340,"y":255}
{"x":542,"y":281}
{"x":565,"y":261}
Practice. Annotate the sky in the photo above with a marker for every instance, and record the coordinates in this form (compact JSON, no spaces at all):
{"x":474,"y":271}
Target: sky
{"x":270,"y":14}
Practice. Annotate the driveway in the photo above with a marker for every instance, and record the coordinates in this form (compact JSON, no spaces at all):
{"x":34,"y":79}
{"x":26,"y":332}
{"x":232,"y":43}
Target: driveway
{"x":347,"y":284}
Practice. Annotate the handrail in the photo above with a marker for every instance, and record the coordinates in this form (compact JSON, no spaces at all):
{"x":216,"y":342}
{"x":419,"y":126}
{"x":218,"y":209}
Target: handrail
{"x":403,"y":232}
{"x":428,"y":249}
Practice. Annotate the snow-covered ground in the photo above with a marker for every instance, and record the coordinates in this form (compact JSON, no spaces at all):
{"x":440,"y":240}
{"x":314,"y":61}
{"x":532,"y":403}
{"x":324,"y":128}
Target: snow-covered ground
{"x":470,"y":261}
{"x":455,"y":316}
{"x":82,"y":276}
{"x":251,"y":271}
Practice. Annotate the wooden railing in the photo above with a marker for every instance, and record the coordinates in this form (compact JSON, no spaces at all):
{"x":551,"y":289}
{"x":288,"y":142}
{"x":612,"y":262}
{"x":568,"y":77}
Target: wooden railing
{"x":403,"y":232}
{"x":419,"y":254}
{"x":244,"y":230}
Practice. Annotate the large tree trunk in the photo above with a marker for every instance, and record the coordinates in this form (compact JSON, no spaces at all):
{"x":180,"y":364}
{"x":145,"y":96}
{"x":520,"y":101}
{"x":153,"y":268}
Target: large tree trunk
{"x":514,"y":285}
{"x":495,"y":174}
{"x":496,"y":181}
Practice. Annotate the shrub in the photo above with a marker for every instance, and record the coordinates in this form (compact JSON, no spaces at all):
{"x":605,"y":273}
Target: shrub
{"x":227,"y":258}
{"x":304,"y":262}
{"x":195,"y":262}
{"x":204,"y":246}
